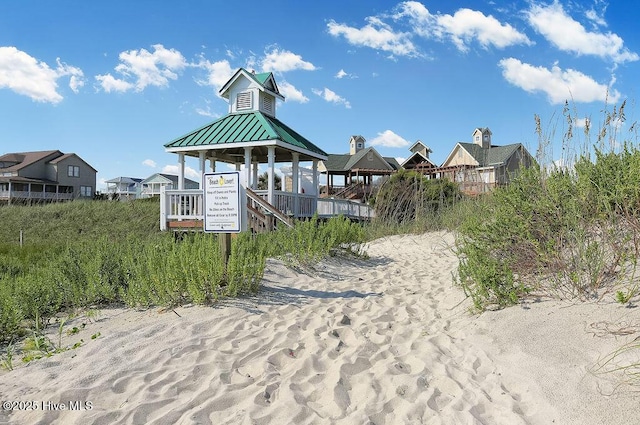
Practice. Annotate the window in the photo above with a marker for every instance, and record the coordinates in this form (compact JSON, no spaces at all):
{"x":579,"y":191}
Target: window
{"x":73,"y":171}
{"x":86,"y":191}
{"x":477,"y":138}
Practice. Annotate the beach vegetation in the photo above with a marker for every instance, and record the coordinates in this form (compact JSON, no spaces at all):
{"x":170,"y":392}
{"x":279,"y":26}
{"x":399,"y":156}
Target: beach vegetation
{"x":112,"y":253}
{"x":568,"y":229}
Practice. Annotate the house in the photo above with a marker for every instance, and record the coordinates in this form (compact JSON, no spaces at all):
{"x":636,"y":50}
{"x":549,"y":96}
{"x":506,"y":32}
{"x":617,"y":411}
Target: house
{"x":152,"y":185}
{"x":45,"y":176}
{"x":251,"y":135}
{"x":419,"y":160}
{"x":124,"y":188}
{"x":479,"y":166}
{"x":356,"y":170}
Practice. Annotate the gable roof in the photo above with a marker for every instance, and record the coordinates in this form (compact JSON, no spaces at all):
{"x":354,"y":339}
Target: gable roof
{"x":244,"y":127}
{"x":345,"y":162}
{"x":417,"y":158}
{"x":24,"y":159}
{"x":420,"y":142}
{"x":168,"y":178}
{"x":71,"y":155}
{"x":487,"y":157}
{"x":265,"y":81}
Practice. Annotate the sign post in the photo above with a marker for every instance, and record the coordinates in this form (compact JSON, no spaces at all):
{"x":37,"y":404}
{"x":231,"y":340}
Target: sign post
{"x":225,"y":206}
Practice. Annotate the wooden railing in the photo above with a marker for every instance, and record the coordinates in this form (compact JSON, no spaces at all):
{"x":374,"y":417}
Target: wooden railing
{"x":329,"y":207}
{"x":185,"y":209}
{"x":23,"y":194}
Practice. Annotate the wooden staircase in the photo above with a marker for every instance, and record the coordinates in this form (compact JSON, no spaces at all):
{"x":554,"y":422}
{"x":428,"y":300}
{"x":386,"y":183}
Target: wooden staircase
{"x":262,"y":216}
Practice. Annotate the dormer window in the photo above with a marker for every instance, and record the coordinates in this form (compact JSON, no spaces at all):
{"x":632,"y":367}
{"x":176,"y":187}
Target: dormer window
{"x":244,"y":100}
{"x":359,"y":145}
{"x":477,"y":138}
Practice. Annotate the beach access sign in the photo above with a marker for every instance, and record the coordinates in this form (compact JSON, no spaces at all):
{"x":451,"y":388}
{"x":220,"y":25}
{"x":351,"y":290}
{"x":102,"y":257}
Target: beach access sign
{"x":225,"y":203}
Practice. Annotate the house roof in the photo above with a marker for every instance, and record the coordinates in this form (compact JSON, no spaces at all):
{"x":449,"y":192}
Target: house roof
{"x":70,"y":155}
{"x":495,"y":155}
{"x":128,"y":180}
{"x":241,"y":128}
{"x":25,"y":159}
{"x":417,"y":158}
{"x":169,"y":178}
{"x":346,"y":162}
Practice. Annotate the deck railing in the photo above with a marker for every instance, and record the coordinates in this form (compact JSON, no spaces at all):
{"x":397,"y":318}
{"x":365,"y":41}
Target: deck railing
{"x":188,"y":204}
{"x":26,"y":195}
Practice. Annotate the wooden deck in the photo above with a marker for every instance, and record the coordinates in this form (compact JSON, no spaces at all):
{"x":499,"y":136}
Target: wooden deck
{"x":182,"y":210}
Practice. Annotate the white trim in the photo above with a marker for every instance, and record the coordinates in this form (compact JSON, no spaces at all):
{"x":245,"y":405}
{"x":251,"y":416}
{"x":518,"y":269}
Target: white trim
{"x":270,"y":142}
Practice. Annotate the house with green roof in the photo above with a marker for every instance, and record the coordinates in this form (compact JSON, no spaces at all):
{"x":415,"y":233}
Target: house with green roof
{"x":251,"y":135}
{"x":351,"y":175}
{"x":480,"y":166}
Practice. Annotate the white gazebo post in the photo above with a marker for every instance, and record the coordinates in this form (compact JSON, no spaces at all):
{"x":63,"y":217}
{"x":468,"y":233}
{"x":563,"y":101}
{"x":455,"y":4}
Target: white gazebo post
{"x":271,"y":159}
{"x":180,"y":171}
{"x":295,"y":180}
{"x":212,"y":164}
{"x":202,"y":159}
{"x":316,"y":185}
{"x":247,"y":166}
{"x":254,"y":184}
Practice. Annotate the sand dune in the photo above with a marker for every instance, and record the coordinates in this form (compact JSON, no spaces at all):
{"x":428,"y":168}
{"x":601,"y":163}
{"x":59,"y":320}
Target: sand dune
{"x":383,"y":340}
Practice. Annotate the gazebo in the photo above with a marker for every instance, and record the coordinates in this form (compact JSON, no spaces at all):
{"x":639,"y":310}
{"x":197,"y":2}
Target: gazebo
{"x":250,"y":135}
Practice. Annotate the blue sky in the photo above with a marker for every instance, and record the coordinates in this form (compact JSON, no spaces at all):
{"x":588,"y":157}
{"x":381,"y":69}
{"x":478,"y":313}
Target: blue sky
{"x":113,"y":81}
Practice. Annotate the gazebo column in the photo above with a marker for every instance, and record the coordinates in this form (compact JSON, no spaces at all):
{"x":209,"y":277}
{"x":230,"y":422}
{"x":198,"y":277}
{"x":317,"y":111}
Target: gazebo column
{"x":254,"y":183}
{"x":202,"y":158}
{"x":271,"y":160}
{"x":212,"y":164}
{"x":295,"y":182}
{"x":247,"y":166}
{"x":316,"y":186}
{"x":180,"y":171}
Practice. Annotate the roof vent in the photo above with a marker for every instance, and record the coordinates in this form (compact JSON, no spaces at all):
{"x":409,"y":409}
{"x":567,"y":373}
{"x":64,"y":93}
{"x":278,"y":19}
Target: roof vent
{"x":243,"y":101}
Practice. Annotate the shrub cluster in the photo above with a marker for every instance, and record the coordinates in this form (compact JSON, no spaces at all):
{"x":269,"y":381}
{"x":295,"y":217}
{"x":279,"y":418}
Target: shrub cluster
{"x":562,"y":232}
{"x":37,"y":282}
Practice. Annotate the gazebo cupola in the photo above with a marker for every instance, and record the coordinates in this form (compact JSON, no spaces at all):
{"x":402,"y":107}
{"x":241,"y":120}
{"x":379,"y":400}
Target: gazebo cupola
{"x":247,"y":92}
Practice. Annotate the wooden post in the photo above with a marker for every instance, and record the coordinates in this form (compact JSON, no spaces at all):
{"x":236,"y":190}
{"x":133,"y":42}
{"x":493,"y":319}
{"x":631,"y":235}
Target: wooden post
{"x":21,"y":238}
{"x":225,"y":247}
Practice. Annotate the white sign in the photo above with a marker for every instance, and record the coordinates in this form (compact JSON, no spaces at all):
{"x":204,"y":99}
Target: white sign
{"x":223,"y":206}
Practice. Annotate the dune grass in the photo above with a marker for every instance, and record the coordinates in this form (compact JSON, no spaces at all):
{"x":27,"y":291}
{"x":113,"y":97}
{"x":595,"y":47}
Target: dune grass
{"x":83,"y":255}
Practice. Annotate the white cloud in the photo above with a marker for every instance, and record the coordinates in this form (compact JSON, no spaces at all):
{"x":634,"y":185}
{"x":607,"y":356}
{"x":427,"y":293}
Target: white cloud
{"x":343,"y":74}
{"x":377,"y":35}
{"x":291,"y":93}
{"x":559,"y":85}
{"x":462,"y":28}
{"x":25,"y":75}
{"x":278,"y":60}
{"x":552,"y":22}
{"x":331,"y":96}
{"x":188,"y":172}
{"x":218,"y":73}
{"x":149,"y":163}
{"x":389,"y":139}
{"x":141,"y":68}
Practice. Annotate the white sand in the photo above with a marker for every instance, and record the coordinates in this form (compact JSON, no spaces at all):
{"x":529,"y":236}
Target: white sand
{"x":387,"y":340}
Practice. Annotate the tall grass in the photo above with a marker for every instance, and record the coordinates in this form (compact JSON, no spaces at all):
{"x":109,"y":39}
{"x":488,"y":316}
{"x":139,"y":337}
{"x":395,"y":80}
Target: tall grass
{"x":122,"y":258}
{"x":569,"y":231}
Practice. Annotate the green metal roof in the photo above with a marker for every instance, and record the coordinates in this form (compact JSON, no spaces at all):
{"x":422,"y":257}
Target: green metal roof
{"x":245,"y":127}
{"x":495,"y":155}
